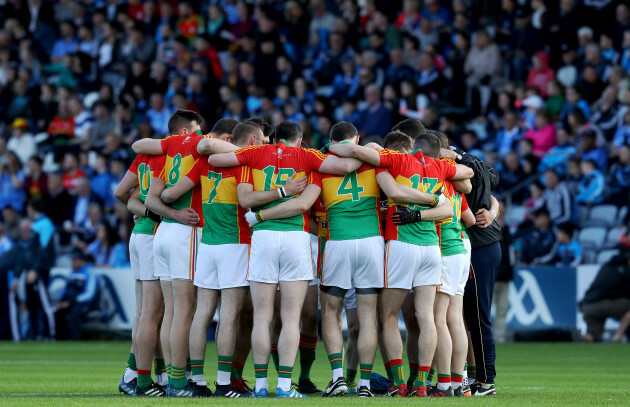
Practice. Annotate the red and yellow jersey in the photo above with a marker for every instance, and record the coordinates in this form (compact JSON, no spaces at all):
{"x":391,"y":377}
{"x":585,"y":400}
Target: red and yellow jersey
{"x":271,"y":166}
{"x":181,"y":156}
{"x":145,"y":166}
{"x":352,"y":204}
{"x":449,"y":230}
{"x":224,"y":218}
{"x":406,"y":170}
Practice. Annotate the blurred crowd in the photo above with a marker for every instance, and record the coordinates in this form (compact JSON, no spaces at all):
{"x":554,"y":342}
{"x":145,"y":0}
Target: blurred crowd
{"x":539,"y":89}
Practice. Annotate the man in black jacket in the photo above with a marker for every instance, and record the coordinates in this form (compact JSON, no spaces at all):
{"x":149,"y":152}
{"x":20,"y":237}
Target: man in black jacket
{"x":608,"y":296}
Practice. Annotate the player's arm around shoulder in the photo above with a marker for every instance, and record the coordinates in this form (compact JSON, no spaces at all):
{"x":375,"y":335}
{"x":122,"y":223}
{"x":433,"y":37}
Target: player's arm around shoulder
{"x":170,"y":195}
{"x":468,"y":218}
{"x":135,"y":205}
{"x":250,"y":198}
{"x":350,"y":151}
{"x":463,"y":186}
{"x":129,"y":182}
{"x":209,"y":146}
{"x":292,"y":207}
{"x":148,"y":146}
{"x":403,"y":193}
{"x":438,"y":213}
{"x":154,"y":203}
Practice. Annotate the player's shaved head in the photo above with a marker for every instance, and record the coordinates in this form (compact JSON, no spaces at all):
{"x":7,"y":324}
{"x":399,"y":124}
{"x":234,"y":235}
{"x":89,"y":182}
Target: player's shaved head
{"x":411,"y":127}
{"x":441,"y":136}
{"x":429,"y":144}
{"x":183,"y":119}
{"x":289,"y":131}
{"x":244,"y":131}
{"x":224,"y":126}
{"x":398,"y":141}
{"x":343,"y":131}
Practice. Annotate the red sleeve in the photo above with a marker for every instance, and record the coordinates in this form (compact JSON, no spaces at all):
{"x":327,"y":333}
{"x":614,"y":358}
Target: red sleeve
{"x":314,"y":159}
{"x":387,"y":160}
{"x":136,"y":162}
{"x":243,"y":175}
{"x":197,"y":171}
{"x":247,"y":155}
{"x":464,"y":203}
{"x":157,"y":163}
{"x":315,"y":178}
{"x":447,"y":169}
{"x":166,"y":143}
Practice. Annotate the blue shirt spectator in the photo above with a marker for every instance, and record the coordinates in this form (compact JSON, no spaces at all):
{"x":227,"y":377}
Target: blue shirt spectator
{"x":375,"y":118}
{"x":566,"y":251}
{"x":66,"y":44}
{"x":508,"y":136}
{"x":159,"y":114}
{"x":11,"y":182}
{"x":591,"y":188}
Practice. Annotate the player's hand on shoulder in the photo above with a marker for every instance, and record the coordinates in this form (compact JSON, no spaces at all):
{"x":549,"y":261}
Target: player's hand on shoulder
{"x":374,"y":146}
{"x":187,"y":216}
{"x":405,"y":215}
{"x":295,"y":186}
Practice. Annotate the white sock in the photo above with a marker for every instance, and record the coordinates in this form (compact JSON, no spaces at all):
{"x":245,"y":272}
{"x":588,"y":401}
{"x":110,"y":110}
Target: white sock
{"x":456,"y":385}
{"x":223,"y":378}
{"x":465,"y":380}
{"x":364,"y":382}
{"x":162,"y":379}
{"x":130,"y":375}
{"x":337,"y":373}
{"x":284,"y":383}
{"x":261,"y":383}
{"x":444,"y":386}
{"x":200,"y":379}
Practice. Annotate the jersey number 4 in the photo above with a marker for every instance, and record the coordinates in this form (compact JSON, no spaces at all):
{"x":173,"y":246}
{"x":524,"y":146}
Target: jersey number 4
{"x":350,"y":186}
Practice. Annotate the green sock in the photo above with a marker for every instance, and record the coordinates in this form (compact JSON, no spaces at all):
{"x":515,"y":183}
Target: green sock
{"x":396,"y":366}
{"x":336,"y":361}
{"x":225,"y":363}
{"x":131,"y":361}
{"x":196,"y":366}
{"x":274,"y":355}
{"x":366,"y":371}
{"x":351,"y":375}
{"x":388,"y":369}
{"x":285,"y":372}
{"x":144,"y":379}
{"x":260,"y":371}
{"x":168,"y":371}
{"x":158,"y":366}
{"x":472,"y":371}
{"x":423,"y":374}
{"x":178,"y":377}
{"x":237,"y":371}
{"x":431,"y":374}
{"x":308,"y":344}
{"x":414,"y":369}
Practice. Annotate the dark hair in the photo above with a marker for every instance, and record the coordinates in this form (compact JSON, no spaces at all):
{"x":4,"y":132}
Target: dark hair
{"x":397,"y":140}
{"x":182,"y":118}
{"x":429,"y":144}
{"x":37,"y":159}
{"x":343,"y":131}
{"x":224,"y":126}
{"x":264,"y":125}
{"x":411,"y":127}
{"x":244,"y":130}
{"x":37,"y":205}
{"x":289,"y":130}
{"x":441,"y":136}
{"x":567,"y":228}
{"x":538,"y":185}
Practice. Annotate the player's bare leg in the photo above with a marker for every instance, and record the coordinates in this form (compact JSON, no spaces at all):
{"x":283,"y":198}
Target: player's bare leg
{"x":368,"y":337}
{"x":333,"y":341}
{"x":424,"y":297}
{"x":413,"y":332}
{"x":276,"y":326}
{"x":167,"y":321}
{"x":382,"y":347}
{"x":232,"y":300}
{"x":207,"y":301}
{"x":444,"y":345}
{"x":391,"y":303}
{"x":352,"y":351}
{"x":184,"y":293}
{"x":263,"y":296}
{"x":147,"y":336}
{"x":292,"y":295}
{"x":455,"y":321}
{"x":308,"y":340}
{"x":127,"y":384}
{"x":243,"y":344}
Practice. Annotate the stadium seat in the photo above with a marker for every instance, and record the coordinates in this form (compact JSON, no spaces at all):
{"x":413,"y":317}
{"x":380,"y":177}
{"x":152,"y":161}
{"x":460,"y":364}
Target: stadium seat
{"x":589,"y":255}
{"x":606,"y":255}
{"x":603,"y":213}
{"x":614,"y":234}
{"x":515,"y":215}
{"x":623,"y":211}
{"x":592,"y":236}
{"x":583,"y":214}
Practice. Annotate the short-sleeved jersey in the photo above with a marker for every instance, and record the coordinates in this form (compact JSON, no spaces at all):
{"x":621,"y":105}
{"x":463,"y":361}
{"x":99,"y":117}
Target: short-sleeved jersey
{"x":465,"y":207}
{"x":224,"y":218}
{"x":406,"y":170}
{"x":352,"y":204}
{"x":271,"y":166}
{"x":319,"y":210}
{"x":449,"y":230}
{"x":145,"y":166}
{"x":181,"y":156}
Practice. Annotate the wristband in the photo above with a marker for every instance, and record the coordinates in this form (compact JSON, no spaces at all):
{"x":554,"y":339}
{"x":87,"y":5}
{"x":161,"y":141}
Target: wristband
{"x":436,"y":200}
{"x":496,"y":214}
{"x":259,"y":217}
{"x":283,"y":193}
{"x":419,"y":215}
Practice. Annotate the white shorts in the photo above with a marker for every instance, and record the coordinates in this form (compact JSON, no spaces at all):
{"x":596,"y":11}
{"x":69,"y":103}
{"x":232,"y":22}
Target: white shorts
{"x":350,"y":299}
{"x":280,"y":256}
{"x":314,"y":253}
{"x":452,"y":269}
{"x":354,"y":263}
{"x":222,"y":266}
{"x":410,"y":265}
{"x":175,"y":248}
{"x":466,"y":269}
{"x":141,"y":256}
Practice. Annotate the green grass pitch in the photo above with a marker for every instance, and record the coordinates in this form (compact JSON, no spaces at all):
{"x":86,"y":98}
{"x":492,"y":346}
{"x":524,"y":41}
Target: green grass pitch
{"x":87,"y":373}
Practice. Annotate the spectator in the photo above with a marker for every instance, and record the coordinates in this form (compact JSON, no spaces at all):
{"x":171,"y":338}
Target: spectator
{"x":506,"y":274}
{"x":543,"y":134}
{"x":607,"y":297}
{"x":511,"y":175}
{"x":541,"y":73}
{"x":322,"y":22}
{"x":58,"y":203}
{"x":566,"y":252}
{"x":558,"y":157}
{"x":568,"y":73}
{"x":539,"y":241}
{"x":21,"y":142}
{"x":66,"y":44}
{"x":101,"y":248}
{"x":83,"y":121}
{"x":103,"y":124}
{"x":588,"y":150}
{"x":101,"y":182}
{"x":591,"y":189}
{"x":438,"y":15}
{"x":375,"y":118}
{"x":618,"y":180}
{"x":72,"y":172}
{"x":80,"y":296}
{"x":573,"y":100}
{"x":36,"y":182}
{"x":605,"y":112}
{"x":509,"y":135}
{"x":557,"y":199}
{"x":555,"y":100}
{"x":12,"y":183}
{"x":159,"y":114}
{"x":483,"y":66}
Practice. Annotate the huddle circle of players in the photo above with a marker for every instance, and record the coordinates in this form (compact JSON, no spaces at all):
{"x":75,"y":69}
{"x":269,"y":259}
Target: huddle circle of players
{"x":223,"y":220}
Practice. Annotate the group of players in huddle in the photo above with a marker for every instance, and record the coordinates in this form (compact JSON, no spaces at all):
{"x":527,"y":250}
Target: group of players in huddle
{"x":237,"y":221}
